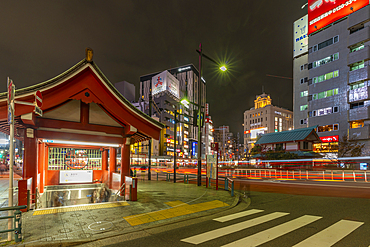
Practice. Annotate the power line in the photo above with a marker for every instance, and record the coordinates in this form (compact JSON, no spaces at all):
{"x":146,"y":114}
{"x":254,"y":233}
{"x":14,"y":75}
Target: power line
{"x":283,"y":77}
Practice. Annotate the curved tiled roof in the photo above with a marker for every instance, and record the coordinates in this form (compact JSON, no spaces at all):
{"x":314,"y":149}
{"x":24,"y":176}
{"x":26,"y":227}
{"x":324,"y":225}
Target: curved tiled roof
{"x":287,"y":136}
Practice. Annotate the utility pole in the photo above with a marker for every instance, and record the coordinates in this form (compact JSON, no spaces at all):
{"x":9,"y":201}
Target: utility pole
{"x":199,"y":180}
{"x":11,"y":92}
{"x":174,"y":145}
{"x":150,"y":140}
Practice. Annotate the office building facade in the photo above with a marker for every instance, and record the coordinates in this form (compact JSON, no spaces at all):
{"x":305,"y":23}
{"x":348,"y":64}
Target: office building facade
{"x":338,"y":58}
{"x":264,"y":118}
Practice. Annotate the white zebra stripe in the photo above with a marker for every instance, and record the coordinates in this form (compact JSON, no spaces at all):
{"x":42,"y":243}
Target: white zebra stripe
{"x":204,"y":237}
{"x":330,"y":235}
{"x":237,"y":215}
{"x":274,"y":232}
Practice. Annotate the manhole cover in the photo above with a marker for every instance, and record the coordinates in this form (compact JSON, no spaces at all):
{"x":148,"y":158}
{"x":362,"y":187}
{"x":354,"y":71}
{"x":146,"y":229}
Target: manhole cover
{"x":101,"y":226}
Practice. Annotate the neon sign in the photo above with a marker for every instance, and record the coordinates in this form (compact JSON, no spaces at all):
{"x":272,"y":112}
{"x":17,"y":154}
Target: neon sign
{"x":324,"y":12}
{"x":329,"y":138}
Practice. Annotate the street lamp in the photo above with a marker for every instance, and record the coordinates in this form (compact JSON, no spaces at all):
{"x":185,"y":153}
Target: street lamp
{"x":222,"y":68}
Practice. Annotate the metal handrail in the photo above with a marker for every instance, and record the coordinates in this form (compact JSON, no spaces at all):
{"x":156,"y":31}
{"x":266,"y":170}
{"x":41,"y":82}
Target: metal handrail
{"x":17,"y":221}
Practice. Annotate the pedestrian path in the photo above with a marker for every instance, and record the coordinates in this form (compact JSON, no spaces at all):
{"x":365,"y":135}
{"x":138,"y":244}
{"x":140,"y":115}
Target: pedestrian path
{"x":327,"y":237}
{"x":179,"y":208}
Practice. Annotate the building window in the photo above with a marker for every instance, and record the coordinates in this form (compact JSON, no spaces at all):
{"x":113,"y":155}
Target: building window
{"x":324,"y":44}
{"x":325,"y":94}
{"x":325,"y":60}
{"x":328,"y":128}
{"x":356,"y":28}
{"x":357,"y":47}
{"x":356,"y":66}
{"x":356,"y":105}
{"x":305,"y":145}
{"x":356,"y":124}
{"x":303,"y":121}
{"x":303,"y":107}
{"x":304,"y":93}
{"x":325,"y":77}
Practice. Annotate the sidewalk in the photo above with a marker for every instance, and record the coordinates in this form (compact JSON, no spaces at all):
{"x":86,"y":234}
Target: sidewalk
{"x":159,"y":202}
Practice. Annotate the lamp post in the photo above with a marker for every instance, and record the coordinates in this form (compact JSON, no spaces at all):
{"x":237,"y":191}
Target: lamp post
{"x":174,"y":146}
{"x":222,"y":68}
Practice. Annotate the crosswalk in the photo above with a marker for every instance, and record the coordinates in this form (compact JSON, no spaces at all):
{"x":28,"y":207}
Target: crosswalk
{"x":327,"y":237}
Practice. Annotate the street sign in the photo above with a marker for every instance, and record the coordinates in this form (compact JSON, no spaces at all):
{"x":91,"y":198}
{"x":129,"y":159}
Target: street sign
{"x":10,"y":114}
{"x":38,"y":98}
{"x":10,"y":91}
{"x":38,"y":111}
{"x":214,"y":146}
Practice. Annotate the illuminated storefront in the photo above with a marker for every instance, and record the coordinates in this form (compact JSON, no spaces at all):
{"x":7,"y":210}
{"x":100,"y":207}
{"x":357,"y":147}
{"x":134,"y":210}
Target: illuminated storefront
{"x":86,"y":128}
{"x":329,"y":144}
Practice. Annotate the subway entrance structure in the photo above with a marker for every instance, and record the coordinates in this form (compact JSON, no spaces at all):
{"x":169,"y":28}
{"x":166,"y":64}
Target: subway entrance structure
{"x":85,"y":131}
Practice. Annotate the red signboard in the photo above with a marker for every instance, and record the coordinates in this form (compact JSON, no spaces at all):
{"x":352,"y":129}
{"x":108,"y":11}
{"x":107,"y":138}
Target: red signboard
{"x":214,"y":146}
{"x":324,"y":12}
{"x":38,"y":98}
{"x":329,"y":138}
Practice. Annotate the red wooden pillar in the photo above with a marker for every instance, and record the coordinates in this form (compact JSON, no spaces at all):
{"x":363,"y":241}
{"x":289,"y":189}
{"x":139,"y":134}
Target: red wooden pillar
{"x":112,"y":164}
{"x":30,"y":158}
{"x":41,"y":165}
{"x":125,"y":159}
{"x":104,"y":166}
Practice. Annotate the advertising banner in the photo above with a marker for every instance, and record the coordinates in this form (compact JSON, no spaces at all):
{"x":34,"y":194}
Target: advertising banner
{"x":165,"y":81}
{"x":212,"y":166}
{"x":329,"y":138}
{"x":300,"y":42}
{"x":324,"y":12}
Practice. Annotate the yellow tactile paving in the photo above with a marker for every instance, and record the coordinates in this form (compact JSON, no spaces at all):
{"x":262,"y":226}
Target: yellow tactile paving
{"x":80,"y":208}
{"x":182,"y":209}
{"x":174,"y":203}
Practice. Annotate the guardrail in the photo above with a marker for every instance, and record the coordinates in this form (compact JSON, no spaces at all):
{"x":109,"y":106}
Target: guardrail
{"x":17,"y":216}
{"x":229,"y":185}
{"x":330,"y":175}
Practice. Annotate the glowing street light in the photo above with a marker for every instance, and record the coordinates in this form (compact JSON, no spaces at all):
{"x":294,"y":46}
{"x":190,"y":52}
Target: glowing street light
{"x":223,"y":68}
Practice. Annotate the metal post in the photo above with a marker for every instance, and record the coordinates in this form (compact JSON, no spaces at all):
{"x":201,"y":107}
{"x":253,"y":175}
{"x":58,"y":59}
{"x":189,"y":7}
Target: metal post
{"x":11,"y":157}
{"x":28,"y":200}
{"x":199,"y":118}
{"x":174,"y":149}
{"x":150,"y":140}
{"x":17,"y":226}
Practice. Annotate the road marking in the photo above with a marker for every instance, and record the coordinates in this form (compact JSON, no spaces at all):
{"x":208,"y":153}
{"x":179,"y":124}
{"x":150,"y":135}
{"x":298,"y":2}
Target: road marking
{"x":197,"y":239}
{"x":275,"y":232}
{"x":177,"y":210}
{"x":330,"y":235}
{"x":238,"y":215}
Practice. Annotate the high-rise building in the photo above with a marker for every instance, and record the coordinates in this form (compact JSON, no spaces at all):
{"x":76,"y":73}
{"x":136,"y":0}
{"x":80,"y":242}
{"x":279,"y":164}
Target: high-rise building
{"x":337,"y":73}
{"x":168,"y":88}
{"x":126,"y":89}
{"x":264,"y":118}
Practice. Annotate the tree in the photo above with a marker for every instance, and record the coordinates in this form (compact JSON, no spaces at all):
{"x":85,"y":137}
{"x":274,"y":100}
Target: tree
{"x":349,"y":147}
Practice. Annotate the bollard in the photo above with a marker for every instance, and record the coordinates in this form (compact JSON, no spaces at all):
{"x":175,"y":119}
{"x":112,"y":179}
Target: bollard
{"x":36,"y":196}
{"x":232,"y":188}
{"x":17,"y":226}
{"x":157,"y":176}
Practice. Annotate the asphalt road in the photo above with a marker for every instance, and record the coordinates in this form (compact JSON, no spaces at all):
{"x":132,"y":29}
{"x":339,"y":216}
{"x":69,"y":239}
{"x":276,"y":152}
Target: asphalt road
{"x":275,"y":220}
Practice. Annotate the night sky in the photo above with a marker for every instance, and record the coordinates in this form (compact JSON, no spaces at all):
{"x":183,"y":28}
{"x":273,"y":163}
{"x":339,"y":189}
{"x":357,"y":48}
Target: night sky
{"x":41,"y":39}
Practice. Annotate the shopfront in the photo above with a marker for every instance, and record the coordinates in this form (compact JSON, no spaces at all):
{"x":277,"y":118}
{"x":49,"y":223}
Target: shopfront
{"x":329,"y":144}
{"x":85,"y":123}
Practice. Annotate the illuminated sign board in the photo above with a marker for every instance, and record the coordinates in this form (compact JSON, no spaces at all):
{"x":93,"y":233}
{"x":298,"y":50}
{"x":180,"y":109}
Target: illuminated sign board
{"x":75,"y":176}
{"x":329,"y":138}
{"x":324,"y":12}
{"x":165,"y":81}
{"x":300,"y":42}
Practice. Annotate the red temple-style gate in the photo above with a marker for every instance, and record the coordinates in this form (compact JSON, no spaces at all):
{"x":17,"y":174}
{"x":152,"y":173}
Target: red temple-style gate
{"x":85,"y":120}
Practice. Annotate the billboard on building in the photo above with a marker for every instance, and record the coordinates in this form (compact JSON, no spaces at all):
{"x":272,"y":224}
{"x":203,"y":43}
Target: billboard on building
{"x":324,"y":12}
{"x":165,"y":81}
{"x":300,"y":42}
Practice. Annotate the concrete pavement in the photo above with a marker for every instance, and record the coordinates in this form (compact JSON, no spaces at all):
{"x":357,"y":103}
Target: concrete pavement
{"x":158,"y":203}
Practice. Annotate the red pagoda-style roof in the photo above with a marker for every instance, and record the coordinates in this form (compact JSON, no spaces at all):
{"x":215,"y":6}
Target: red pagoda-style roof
{"x":83,"y":84}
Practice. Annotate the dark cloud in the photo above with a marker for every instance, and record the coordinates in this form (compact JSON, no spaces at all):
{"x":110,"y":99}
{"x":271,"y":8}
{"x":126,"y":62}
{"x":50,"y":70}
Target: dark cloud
{"x":41,"y":39}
